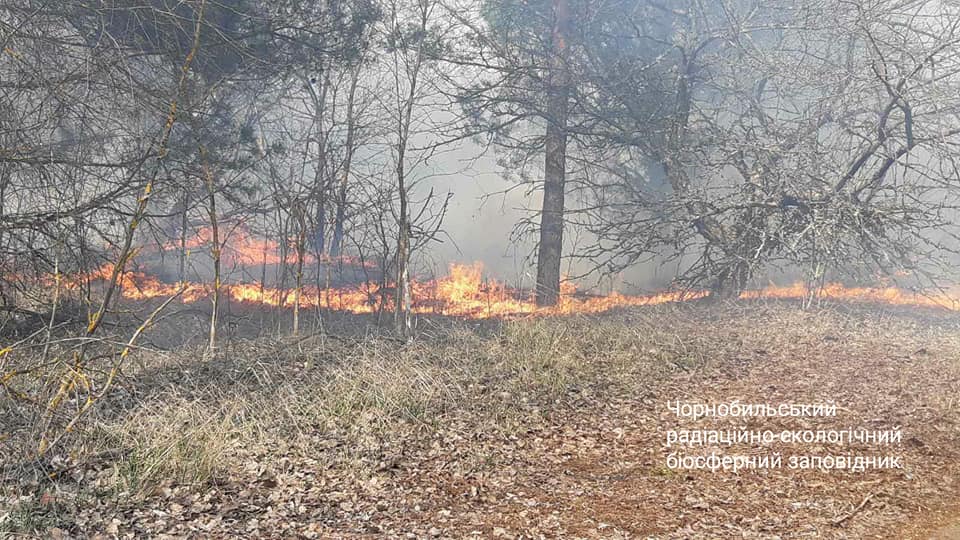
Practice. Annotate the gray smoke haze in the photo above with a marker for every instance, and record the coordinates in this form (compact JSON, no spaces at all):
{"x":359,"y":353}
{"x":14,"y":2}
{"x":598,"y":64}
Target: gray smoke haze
{"x":481,"y":225}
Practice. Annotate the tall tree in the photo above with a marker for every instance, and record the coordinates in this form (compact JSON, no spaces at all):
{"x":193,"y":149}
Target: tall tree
{"x":550,"y":248}
{"x":526,"y":95}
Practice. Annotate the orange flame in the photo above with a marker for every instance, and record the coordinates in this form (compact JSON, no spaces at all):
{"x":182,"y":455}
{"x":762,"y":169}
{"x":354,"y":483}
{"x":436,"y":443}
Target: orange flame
{"x":949,"y":299}
{"x":464,"y":293}
{"x":241,"y":248}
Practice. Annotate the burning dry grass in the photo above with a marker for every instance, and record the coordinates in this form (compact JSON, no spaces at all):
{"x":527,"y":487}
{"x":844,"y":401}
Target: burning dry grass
{"x":466,"y":293}
{"x":458,"y":410}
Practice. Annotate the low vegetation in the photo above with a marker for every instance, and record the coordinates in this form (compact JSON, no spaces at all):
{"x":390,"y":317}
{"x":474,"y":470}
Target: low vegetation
{"x":364,"y":434}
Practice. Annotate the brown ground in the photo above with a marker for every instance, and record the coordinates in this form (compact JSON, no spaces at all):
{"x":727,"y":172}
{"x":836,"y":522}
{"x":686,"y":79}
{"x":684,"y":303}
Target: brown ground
{"x":590,"y":461}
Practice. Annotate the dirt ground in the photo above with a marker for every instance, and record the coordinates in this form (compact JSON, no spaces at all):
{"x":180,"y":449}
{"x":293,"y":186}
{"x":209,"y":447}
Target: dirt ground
{"x":590,"y":460}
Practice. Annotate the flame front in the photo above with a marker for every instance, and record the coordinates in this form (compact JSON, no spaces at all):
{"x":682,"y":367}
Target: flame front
{"x":465,"y":293}
{"x":241,"y":248}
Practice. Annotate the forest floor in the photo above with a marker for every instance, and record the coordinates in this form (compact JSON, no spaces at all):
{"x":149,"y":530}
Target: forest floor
{"x":552,"y":427}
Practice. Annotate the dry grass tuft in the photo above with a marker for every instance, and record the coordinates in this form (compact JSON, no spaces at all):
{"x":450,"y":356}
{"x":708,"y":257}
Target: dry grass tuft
{"x":180,"y":441}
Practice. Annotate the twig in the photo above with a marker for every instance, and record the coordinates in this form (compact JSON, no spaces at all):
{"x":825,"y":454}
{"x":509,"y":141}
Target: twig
{"x":94,"y":398}
{"x":853,"y":512}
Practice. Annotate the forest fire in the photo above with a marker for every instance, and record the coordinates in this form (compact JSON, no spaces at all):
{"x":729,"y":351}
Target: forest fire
{"x":464,"y":292}
{"x":242,"y":248}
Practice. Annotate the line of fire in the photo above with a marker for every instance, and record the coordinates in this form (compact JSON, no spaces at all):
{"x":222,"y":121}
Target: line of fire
{"x":463,"y":292}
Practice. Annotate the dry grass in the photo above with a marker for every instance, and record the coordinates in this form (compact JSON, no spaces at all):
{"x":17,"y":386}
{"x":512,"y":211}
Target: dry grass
{"x":275,"y":389}
{"x":185,"y":420}
{"x":180,"y":441}
{"x":176,"y":415}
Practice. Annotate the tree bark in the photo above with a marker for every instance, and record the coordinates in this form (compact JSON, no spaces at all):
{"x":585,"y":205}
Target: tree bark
{"x":336,"y":243}
{"x":301,"y":248}
{"x":319,"y":189}
{"x":215,"y":250}
{"x":184,"y":223}
{"x":550,"y":248}
{"x":402,"y":298}
{"x":402,"y":316}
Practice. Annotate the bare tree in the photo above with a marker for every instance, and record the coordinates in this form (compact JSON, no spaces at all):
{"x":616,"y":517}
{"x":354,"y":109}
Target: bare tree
{"x":413,"y":40}
{"x":350,"y":148}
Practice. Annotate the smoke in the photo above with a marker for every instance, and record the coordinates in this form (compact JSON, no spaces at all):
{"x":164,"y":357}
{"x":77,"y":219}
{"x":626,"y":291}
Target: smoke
{"x":490,"y":219}
{"x":483,"y":214}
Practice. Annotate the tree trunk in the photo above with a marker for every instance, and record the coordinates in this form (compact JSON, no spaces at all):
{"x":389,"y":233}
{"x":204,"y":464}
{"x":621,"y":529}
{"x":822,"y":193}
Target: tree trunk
{"x":215,"y":298}
{"x":336,"y":243}
{"x":215,"y":250}
{"x":731,"y":281}
{"x":402,"y":296}
{"x":319,"y":189}
{"x":320,"y":235}
{"x":184,"y":223}
{"x":402,"y":316}
{"x":301,"y":247}
{"x":551,"y":216}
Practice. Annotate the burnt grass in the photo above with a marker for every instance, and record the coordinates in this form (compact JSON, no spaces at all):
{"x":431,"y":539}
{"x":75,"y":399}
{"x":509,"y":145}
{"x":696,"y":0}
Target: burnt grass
{"x":536,"y":427}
